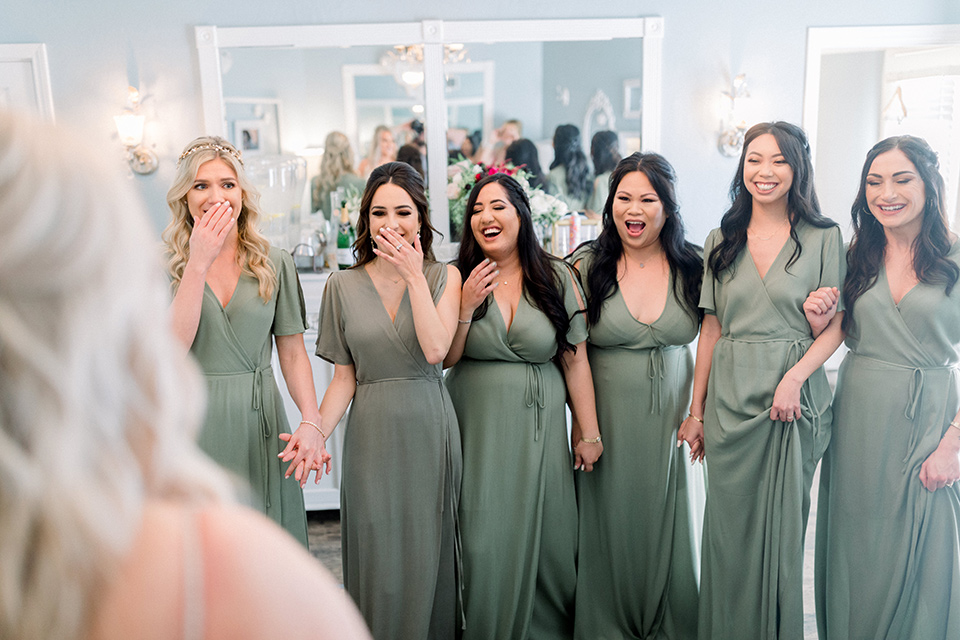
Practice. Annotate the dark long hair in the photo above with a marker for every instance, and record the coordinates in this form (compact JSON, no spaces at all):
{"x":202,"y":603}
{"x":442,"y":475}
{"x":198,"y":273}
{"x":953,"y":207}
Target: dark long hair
{"x":542,"y":284}
{"x":407,"y":178}
{"x":605,"y":151}
{"x":568,"y":152}
{"x":802,"y":202}
{"x":682,"y":256}
{"x":930,"y":247}
{"x":523,"y":153}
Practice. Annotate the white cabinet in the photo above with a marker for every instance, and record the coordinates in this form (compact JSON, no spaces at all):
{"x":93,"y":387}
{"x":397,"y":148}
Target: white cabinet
{"x":326,"y":495}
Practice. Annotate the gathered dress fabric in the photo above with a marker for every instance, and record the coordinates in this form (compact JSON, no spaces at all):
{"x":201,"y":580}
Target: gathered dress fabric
{"x":518,"y":509}
{"x":639,"y":548}
{"x":245,"y":412}
{"x":888,"y":550}
{"x":759,"y":471}
{"x":401,"y":463}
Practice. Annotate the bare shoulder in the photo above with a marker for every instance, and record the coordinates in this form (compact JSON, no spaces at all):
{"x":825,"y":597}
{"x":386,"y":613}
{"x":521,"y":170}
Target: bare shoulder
{"x":453,"y":275}
{"x":259,"y":582}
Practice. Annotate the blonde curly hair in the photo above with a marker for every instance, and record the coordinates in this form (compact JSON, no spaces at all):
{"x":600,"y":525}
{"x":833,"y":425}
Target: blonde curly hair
{"x":253,"y":250}
{"x":99,"y":407}
{"x":337,"y":160}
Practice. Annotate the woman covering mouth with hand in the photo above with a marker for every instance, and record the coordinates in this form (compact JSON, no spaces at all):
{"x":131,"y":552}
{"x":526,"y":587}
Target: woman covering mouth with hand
{"x":519,"y":350}
{"x":765,"y":414}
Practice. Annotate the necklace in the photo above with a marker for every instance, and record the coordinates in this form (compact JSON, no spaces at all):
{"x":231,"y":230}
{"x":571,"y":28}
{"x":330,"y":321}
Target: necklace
{"x":638,"y":263}
{"x":754,"y":236}
{"x":382,"y":274}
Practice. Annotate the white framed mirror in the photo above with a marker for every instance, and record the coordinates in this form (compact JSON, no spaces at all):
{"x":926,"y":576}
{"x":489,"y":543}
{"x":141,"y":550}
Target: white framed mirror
{"x":520,"y":65}
{"x":864,"y":84}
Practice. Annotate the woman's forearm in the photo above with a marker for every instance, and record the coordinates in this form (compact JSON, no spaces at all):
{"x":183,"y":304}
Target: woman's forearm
{"x":819,"y":352}
{"x":337,"y":397}
{"x":579,"y":380}
{"x":435,"y":323}
{"x":709,"y":335}
{"x":298,"y":375}
{"x":187,"y":304}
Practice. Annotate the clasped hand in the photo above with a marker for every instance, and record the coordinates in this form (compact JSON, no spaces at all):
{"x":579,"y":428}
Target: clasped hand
{"x":305,"y":451}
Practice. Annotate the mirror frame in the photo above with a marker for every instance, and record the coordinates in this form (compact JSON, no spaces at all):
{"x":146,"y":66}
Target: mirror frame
{"x":827,"y":40}
{"x":433,"y":34}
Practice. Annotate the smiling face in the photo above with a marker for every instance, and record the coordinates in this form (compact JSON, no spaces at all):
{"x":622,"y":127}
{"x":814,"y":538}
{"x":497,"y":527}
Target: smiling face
{"x":637,"y":211}
{"x":895,"y":193}
{"x":388,"y":147}
{"x":495,"y":222}
{"x":393,"y":207}
{"x":216,"y":182}
{"x":766,"y":173}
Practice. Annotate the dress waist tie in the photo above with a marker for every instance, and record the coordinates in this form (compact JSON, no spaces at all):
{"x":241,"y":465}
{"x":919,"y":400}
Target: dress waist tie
{"x":915,"y":395}
{"x":655,"y":369}
{"x":534,"y":395}
{"x":265,"y":432}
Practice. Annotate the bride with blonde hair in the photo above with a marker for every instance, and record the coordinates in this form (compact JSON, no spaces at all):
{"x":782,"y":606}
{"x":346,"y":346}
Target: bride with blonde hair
{"x":113,"y":524}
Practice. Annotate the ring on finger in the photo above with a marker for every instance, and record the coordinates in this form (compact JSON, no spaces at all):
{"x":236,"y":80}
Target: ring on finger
{"x":399,"y":246}
{"x":789,"y":418}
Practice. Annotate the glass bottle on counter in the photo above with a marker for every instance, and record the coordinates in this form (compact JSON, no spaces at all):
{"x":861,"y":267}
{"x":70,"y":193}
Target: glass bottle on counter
{"x":345,"y":238}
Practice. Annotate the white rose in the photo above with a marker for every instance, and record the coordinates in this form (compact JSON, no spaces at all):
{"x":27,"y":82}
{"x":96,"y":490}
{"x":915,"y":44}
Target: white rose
{"x":453,"y":191}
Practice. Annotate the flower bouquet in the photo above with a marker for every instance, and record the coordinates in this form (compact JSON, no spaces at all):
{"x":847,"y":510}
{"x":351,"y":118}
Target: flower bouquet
{"x":463,"y":174}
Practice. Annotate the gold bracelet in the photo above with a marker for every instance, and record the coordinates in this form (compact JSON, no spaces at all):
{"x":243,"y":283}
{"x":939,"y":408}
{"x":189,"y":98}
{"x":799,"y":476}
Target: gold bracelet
{"x":596,"y":440}
{"x":690,"y":415}
{"x":322,"y":434}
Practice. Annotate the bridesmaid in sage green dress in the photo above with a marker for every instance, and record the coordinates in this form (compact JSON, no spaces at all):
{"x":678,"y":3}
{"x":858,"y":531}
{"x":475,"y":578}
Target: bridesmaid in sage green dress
{"x":386,"y":325}
{"x":765,"y":413}
{"x":235,"y":295}
{"x":518,"y":338}
{"x":639,"y":550}
{"x":888,"y":516}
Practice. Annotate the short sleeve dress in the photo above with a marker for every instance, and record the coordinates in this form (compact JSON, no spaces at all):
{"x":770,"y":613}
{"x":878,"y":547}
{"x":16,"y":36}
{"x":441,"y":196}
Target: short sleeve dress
{"x":401,"y":463}
{"x":888,"y":550}
{"x":518,"y":510}
{"x":759,"y":471}
{"x":639,"y":554}
{"x":245,"y":412}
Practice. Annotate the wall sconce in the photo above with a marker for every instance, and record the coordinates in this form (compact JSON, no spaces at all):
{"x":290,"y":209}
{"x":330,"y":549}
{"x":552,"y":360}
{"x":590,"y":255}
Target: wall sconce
{"x":733,"y":125}
{"x":142,"y":161}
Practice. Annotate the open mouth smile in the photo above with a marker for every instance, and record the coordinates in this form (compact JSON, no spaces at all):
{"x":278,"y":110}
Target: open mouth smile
{"x":765,"y":187}
{"x":491,"y":232}
{"x":635,"y":227}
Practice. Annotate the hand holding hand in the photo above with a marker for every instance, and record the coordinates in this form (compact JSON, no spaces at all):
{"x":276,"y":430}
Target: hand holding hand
{"x":305,"y":451}
{"x":691,"y":432}
{"x":820,"y":307}
{"x":209,"y":233}
{"x":407,"y":259}
{"x":586,"y":454}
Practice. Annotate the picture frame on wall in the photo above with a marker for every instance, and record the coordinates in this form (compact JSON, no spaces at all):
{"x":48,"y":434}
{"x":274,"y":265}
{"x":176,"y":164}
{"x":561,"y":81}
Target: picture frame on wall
{"x":254,"y":125}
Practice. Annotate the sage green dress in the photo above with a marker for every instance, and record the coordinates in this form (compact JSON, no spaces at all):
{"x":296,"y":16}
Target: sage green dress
{"x":557,"y":186}
{"x":245,"y":412}
{"x":401,"y":463}
{"x":759,"y":471}
{"x":639,"y":557}
{"x":518,"y":509}
{"x":888,"y":550}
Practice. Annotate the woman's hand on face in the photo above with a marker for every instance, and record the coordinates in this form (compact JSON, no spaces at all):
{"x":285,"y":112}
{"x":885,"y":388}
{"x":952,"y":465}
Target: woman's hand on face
{"x":209,"y":233}
{"x":942,"y":467}
{"x":586,"y":454}
{"x":691,"y":432}
{"x":820,"y":307}
{"x":786,"y":400}
{"x":305,"y":451}
{"x":407,"y":259}
{"x":479,"y":284}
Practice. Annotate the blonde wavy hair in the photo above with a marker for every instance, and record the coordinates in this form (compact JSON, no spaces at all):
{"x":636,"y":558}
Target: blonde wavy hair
{"x":253,"y":253}
{"x":99,"y":405}
{"x":337,"y":160}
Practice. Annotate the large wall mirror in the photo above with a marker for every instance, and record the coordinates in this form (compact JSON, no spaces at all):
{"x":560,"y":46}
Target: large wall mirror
{"x":865,"y":84}
{"x":283,"y":89}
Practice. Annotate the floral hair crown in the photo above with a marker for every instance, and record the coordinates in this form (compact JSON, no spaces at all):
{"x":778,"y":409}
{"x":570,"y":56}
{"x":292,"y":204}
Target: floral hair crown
{"x":212,"y":146}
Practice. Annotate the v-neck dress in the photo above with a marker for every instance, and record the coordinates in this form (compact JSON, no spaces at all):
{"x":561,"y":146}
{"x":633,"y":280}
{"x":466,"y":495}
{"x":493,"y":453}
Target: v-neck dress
{"x":888,"y":550}
{"x":245,"y":412}
{"x":518,"y":510}
{"x":759,"y":471}
{"x":401,"y":463}
{"x":639,"y":557}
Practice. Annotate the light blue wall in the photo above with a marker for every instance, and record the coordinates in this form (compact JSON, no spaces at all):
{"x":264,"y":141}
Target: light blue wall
{"x":94,"y":44}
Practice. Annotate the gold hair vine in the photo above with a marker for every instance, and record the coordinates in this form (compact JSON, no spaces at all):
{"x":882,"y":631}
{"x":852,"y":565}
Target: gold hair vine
{"x":212,"y":146}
